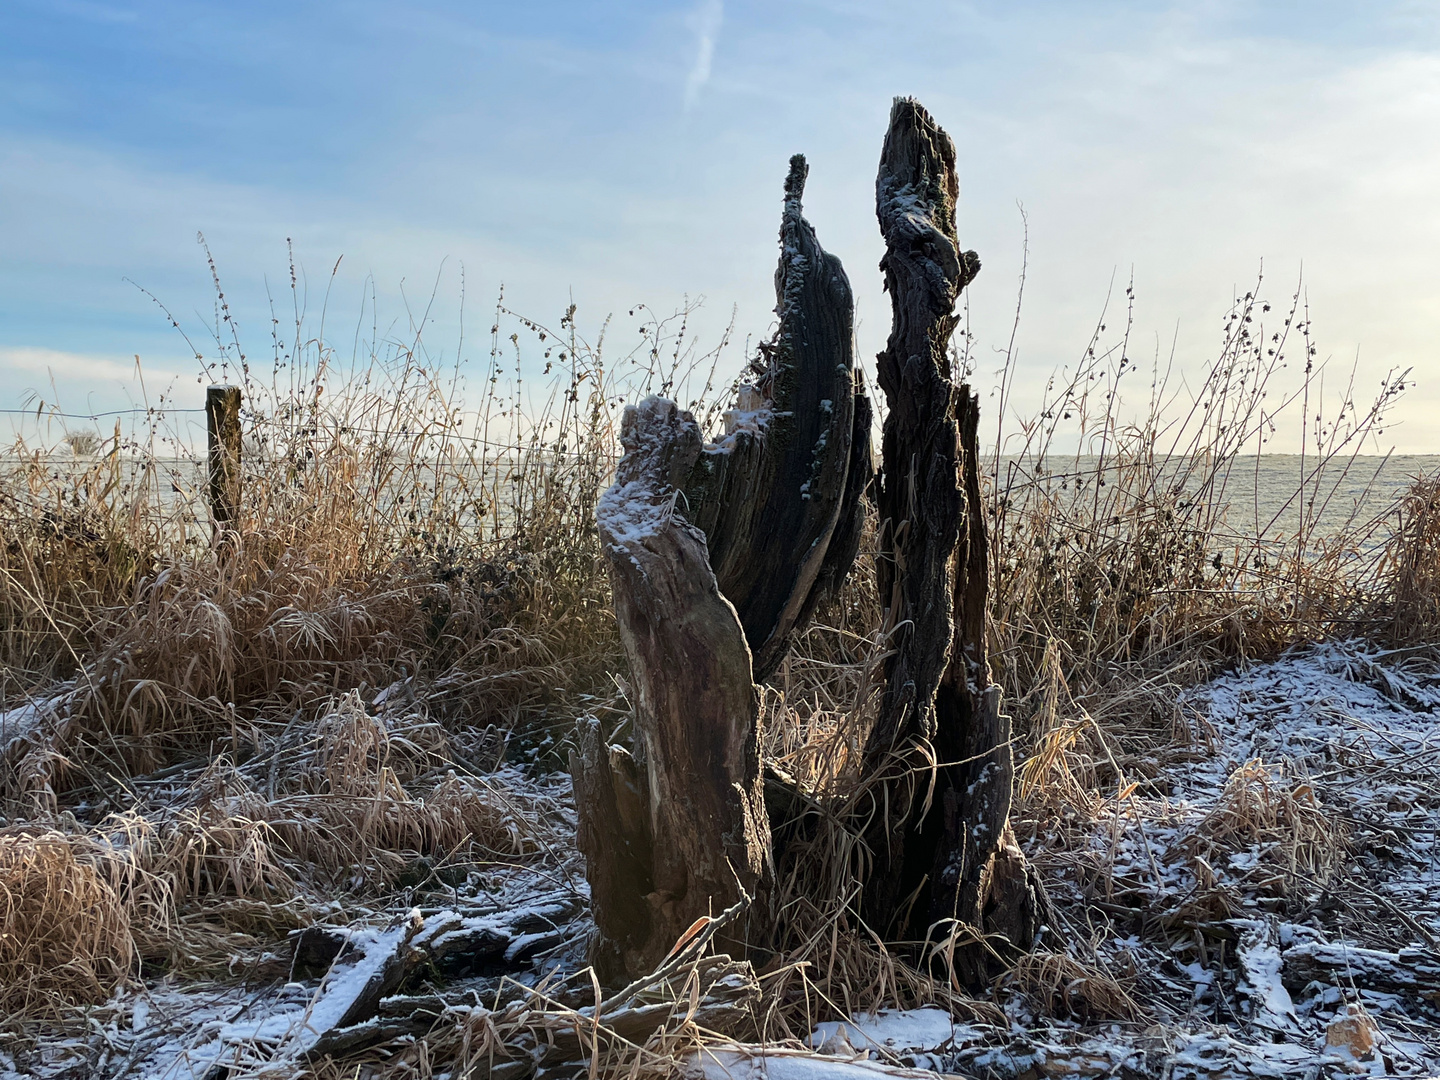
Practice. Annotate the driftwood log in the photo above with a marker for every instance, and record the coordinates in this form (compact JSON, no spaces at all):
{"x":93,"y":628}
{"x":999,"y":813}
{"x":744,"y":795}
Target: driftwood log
{"x":681,"y":834}
{"x":375,"y":984}
{"x":1414,"y":971}
{"x":778,"y":498}
{"x":939,"y":757}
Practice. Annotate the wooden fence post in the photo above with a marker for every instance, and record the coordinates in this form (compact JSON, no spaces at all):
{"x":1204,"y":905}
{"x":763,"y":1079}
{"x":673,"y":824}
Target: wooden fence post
{"x":222,"y":424}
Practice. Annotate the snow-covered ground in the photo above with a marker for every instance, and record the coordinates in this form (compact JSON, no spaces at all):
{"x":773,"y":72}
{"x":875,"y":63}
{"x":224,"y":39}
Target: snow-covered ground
{"x":1270,"y":899}
{"x":1297,"y":841}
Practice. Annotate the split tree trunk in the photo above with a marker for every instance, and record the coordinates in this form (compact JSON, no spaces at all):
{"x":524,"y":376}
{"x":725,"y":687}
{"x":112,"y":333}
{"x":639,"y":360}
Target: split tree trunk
{"x":678,"y":830}
{"x":779,"y":496}
{"x":682,"y":833}
{"x":939,"y":758}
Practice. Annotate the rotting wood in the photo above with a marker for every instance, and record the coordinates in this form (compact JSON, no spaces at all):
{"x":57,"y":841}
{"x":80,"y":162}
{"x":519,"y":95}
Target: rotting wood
{"x":364,"y":972}
{"x":1409,"y":971}
{"x":778,"y":498}
{"x":453,"y":941}
{"x":703,"y":834}
{"x":938,"y":759}
{"x":368,"y":966}
{"x":560,"y":1022}
{"x":613,"y":822}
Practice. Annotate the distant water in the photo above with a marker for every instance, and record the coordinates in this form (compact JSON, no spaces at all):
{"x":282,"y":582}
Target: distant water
{"x":1259,"y":492}
{"x":1262,"y":496}
{"x":1262,"y":490}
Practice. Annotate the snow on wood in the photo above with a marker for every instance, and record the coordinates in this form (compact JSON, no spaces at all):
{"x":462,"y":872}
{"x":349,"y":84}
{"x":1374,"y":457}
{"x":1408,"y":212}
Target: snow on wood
{"x":667,"y":849}
{"x":778,"y":497}
{"x":892,"y":1030}
{"x":938,"y":757}
{"x":1260,"y":965}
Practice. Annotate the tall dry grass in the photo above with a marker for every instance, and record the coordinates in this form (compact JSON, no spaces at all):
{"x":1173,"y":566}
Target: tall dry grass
{"x":206,"y":729}
{"x":1129,"y":535}
{"x":218,"y":731}
{"x":387,"y":531}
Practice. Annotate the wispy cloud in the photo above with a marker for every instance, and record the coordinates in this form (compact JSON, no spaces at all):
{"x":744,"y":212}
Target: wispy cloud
{"x":707,"y":19}
{"x":65,"y":368}
{"x":1187,"y":143}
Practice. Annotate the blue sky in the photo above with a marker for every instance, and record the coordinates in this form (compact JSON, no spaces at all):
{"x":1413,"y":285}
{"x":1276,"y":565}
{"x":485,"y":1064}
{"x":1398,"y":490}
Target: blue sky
{"x":635,"y":152}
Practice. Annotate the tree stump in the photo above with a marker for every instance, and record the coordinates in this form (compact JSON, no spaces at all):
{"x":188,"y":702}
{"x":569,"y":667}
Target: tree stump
{"x":939,"y":758}
{"x":778,"y":498}
{"x":679,"y":832}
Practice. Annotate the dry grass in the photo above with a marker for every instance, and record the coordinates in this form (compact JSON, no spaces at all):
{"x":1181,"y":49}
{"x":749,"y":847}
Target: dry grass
{"x":64,"y":926}
{"x":1410,"y":600}
{"x":1146,"y":540}
{"x":1060,"y":985}
{"x":1292,"y":838}
{"x":210,"y":734}
{"x":219,"y":732}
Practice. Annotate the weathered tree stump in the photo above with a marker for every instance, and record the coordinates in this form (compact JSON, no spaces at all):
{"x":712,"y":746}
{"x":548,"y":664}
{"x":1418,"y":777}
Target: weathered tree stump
{"x":778,"y":498}
{"x":939,"y":758}
{"x":718,"y":556}
{"x":681,"y":833}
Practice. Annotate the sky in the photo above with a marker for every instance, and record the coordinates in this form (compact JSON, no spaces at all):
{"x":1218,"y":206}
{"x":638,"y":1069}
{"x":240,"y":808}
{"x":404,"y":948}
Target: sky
{"x":624,"y":153}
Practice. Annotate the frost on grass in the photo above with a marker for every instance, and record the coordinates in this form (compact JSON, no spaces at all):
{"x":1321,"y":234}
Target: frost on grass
{"x":1281,"y":870}
{"x":1270,"y":901}
{"x":1266,"y":903}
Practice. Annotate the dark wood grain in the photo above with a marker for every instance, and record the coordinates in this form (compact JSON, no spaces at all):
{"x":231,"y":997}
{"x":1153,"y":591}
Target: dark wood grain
{"x":696,"y":716}
{"x":939,"y":756}
{"x":773,"y":497}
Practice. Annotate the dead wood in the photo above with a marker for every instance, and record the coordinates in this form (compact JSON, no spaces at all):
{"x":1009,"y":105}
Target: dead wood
{"x":939,"y":757}
{"x":360,"y":1000}
{"x":613,"y":821}
{"x":778,"y":498}
{"x":696,"y":715}
{"x":1409,"y":971}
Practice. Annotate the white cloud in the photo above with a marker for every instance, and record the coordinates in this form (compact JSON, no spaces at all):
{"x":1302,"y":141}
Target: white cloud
{"x":1179,"y":146}
{"x":51,"y":373}
{"x":707,"y":19}
{"x":66,"y":365}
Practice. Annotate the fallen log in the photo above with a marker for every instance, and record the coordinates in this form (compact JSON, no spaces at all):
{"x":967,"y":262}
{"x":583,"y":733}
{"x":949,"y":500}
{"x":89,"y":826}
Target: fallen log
{"x":452,"y":942}
{"x":364,"y":972}
{"x":725,"y":995}
{"x":543,"y":1034}
{"x":368,"y":965}
{"x":1408,"y":971}
{"x":350,"y":993}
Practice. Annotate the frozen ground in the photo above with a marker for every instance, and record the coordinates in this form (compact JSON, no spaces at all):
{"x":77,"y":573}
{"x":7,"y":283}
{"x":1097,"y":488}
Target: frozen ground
{"x":1271,"y":899}
{"x":1268,"y":899}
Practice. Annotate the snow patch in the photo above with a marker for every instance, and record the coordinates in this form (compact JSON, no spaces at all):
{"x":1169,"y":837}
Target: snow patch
{"x":890,"y":1030}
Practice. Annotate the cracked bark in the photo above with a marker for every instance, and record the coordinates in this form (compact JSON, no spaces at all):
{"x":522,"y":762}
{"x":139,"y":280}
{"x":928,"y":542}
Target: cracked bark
{"x":938,"y":759}
{"x":779,"y":498}
{"x":679,"y":832}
